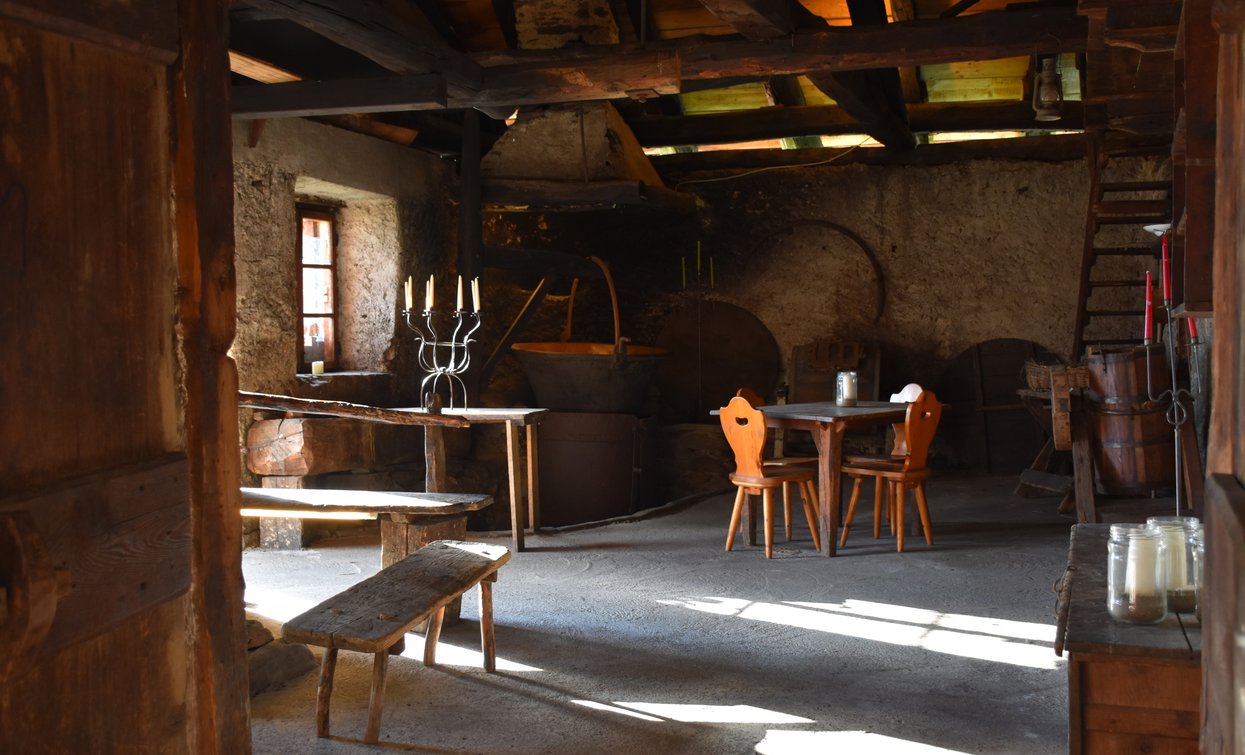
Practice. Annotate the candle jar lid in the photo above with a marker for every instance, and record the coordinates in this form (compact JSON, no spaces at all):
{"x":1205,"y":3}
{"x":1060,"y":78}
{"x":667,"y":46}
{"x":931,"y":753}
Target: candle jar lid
{"x":1121,"y":532}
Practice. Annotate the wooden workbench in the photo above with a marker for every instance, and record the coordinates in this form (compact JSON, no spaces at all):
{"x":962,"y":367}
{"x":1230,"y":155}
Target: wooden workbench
{"x":1131,"y":687}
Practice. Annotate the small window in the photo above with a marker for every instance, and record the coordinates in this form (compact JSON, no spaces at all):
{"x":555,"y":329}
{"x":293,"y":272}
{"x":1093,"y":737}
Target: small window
{"x":317,"y":257}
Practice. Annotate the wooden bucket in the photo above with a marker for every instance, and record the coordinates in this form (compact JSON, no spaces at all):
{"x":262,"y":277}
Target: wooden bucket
{"x":1134,"y":454}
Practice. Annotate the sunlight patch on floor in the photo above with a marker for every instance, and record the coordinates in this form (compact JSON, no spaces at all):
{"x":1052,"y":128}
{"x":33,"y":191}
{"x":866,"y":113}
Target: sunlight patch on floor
{"x":820,"y":742}
{"x":452,"y":655}
{"x":951,"y":634}
{"x":698,"y":714}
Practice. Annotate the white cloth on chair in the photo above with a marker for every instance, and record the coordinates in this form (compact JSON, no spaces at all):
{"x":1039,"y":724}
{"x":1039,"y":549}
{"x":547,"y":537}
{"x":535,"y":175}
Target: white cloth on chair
{"x":907,"y":395}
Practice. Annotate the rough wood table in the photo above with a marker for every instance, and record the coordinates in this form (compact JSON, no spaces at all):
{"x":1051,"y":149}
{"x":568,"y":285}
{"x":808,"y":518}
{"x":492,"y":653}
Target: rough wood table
{"x":375,"y":614}
{"x":1131,"y":687}
{"x":827,"y":422}
{"x":425,"y":516}
{"x":434,"y":422}
{"x":514,"y":420}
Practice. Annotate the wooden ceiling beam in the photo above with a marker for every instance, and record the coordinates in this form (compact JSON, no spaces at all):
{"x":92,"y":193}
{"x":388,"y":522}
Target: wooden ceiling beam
{"x":408,"y":44}
{"x":982,"y":36}
{"x":522,"y":77}
{"x":831,"y":120}
{"x":755,"y":19}
{"x":860,"y":94}
{"x":299,"y":99}
{"x":873,"y":97}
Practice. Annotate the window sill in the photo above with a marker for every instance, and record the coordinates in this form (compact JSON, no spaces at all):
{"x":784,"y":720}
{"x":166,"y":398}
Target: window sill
{"x":358,"y":386}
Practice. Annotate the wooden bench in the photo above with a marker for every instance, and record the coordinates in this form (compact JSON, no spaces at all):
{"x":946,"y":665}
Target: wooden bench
{"x":375,"y":614}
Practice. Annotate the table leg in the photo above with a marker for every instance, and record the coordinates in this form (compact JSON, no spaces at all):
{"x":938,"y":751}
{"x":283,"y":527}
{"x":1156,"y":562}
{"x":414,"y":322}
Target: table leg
{"x":517,"y":507}
{"x":829,"y":438}
{"x":533,"y":480}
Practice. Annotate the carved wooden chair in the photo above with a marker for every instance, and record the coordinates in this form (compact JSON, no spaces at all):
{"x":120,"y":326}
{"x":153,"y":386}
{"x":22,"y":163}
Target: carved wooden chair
{"x":744,"y":427}
{"x":907,"y":468}
{"x":768,"y":460}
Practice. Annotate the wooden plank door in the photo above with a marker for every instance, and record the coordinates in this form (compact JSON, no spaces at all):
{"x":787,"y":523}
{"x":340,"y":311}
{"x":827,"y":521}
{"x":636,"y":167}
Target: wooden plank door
{"x":120,"y":586}
{"x":1223,"y":612}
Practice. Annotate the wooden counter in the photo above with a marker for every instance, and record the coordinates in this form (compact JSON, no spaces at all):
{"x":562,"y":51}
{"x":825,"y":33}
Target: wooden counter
{"x":1131,"y":687}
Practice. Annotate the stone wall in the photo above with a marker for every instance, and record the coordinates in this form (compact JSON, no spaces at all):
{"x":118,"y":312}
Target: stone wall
{"x":969,"y":252}
{"x":393,"y":219}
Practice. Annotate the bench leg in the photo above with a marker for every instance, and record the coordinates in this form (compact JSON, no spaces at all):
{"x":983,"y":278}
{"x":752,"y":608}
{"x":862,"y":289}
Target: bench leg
{"x":433,"y":636}
{"x":487,"y":647}
{"x":379,"y":665}
{"x":325,"y":691}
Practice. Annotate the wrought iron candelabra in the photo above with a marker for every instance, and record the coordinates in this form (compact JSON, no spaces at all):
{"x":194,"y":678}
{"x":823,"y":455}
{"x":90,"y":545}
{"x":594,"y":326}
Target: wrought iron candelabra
{"x":1176,"y":413}
{"x":443,"y":359}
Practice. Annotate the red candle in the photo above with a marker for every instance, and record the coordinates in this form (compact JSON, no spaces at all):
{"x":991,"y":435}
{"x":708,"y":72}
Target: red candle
{"x":1192,"y":329}
{"x":1167,"y":273}
{"x":1149,"y":327}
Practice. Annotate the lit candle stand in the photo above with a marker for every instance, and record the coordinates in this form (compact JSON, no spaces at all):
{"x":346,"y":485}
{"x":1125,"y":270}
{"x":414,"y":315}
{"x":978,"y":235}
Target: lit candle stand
{"x":443,"y":358}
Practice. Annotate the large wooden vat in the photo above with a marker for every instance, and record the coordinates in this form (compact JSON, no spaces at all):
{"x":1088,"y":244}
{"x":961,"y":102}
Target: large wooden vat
{"x":1134,"y":454}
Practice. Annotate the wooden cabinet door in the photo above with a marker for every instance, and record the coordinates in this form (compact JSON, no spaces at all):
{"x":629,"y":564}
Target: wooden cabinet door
{"x":120,"y":598}
{"x":1223,"y":613}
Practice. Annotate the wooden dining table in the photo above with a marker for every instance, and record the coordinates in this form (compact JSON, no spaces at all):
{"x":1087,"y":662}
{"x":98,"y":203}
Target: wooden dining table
{"x":828,"y":422}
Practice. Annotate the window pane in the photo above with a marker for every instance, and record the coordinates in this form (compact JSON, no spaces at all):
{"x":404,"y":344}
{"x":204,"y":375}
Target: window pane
{"x":317,"y":339}
{"x":317,"y":290}
{"x":317,"y":242}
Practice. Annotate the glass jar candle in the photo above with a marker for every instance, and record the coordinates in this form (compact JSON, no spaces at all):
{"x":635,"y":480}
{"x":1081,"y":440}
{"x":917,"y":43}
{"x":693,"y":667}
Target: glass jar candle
{"x":1199,"y":566}
{"x":845,"y":388}
{"x":1136,"y":574}
{"x":1178,"y":533}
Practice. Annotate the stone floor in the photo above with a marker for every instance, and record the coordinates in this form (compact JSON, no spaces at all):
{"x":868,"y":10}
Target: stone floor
{"x":646,"y":637}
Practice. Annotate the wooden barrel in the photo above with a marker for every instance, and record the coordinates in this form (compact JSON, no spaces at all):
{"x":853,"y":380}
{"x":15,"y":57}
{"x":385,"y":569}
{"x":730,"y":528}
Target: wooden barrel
{"x":1134,"y":454}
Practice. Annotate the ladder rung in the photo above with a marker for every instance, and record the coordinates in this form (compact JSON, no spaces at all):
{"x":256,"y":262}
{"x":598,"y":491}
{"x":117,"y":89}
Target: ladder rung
{"x":1116,"y":186}
{"x":1114,"y":312}
{"x":1132,"y":206}
{"x":1132,"y":219}
{"x":1116,"y":283}
{"x":1123,"y":251}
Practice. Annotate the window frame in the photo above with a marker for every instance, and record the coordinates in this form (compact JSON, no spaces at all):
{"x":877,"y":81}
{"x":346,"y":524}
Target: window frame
{"x":308,"y":211}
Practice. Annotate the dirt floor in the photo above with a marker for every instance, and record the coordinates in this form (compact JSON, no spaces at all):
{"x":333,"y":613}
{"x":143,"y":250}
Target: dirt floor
{"x":647,"y":637}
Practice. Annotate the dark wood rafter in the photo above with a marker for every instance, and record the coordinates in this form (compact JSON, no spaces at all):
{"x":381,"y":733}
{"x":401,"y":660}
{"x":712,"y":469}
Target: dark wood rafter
{"x":522,"y":77}
{"x":862,"y":95}
{"x":909,"y":76}
{"x":874,"y":97}
{"x":755,"y":19}
{"x":408,"y":44}
{"x":299,"y":99}
{"x":831,"y":120}
{"x":1052,"y":148}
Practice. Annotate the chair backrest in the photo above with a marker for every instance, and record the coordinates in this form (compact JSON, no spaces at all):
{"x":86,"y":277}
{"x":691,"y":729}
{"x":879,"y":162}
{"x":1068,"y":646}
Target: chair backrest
{"x":744,"y":427}
{"x":919,"y":428}
{"x":752,"y":396}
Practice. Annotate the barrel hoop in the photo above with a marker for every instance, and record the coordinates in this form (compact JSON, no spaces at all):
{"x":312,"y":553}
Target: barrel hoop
{"x":1148,"y":407}
{"x":1159,"y":441}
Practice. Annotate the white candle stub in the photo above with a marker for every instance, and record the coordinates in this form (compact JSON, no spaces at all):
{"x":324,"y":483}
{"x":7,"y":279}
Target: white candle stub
{"x":1177,"y":571}
{"x":1139,"y":574}
{"x":317,"y":368}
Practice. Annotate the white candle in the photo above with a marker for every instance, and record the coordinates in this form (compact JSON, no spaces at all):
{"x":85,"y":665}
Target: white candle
{"x":410,"y":293}
{"x":317,"y":368}
{"x":459,"y":300}
{"x":1139,"y":573}
{"x":1177,"y":571}
{"x":475,"y":294}
{"x":428,"y":295}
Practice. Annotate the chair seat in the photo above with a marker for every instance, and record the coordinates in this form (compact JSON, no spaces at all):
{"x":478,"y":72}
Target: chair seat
{"x":789,"y":461}
{"x":774,"y":479}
